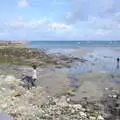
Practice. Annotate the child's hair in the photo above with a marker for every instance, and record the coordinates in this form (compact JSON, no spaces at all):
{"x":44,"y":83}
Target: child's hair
{"x":34,"y":66}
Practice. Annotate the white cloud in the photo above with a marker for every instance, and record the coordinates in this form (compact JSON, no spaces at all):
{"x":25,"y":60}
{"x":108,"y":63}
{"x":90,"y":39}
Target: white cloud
{"x":60,"y":2}
{"x":39,"y":25}
{"x":22,"y":3}
{"x":102,"y":32}
{"x":97,"y":27}
{"x":60,"y":26}
{"x":20,"y":18}
{"x":110,"y":23}
{"x":36,"y":29}
{"x":83,"y":9}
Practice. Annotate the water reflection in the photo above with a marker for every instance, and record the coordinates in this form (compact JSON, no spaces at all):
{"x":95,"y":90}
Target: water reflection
{"x":117,"y":65}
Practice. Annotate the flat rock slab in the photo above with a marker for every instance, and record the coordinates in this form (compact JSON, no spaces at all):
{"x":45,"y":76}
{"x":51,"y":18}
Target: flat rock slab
{"x":93,"y":86}
{"x":54,"y":83}
{"x":88,"y":90}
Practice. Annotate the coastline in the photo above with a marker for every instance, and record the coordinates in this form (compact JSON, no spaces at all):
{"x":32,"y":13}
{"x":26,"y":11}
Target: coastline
{"x":57,"y":83}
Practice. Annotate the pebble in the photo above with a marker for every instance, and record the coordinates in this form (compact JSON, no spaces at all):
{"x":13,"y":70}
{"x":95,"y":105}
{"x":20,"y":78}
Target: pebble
{"x":100,"y":117}
{"x":92,"y":118}
{"x":114,"y":96}
{"x":106,"y":88}
{"x":77,"y":106}
{"x":83,"y":114}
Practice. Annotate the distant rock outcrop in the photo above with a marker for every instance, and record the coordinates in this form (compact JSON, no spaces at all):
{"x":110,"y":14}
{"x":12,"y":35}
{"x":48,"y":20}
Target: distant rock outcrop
{"x":9,"y":43}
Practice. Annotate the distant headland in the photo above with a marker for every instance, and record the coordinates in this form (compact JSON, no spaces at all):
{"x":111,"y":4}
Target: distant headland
{"x":12,"y":43}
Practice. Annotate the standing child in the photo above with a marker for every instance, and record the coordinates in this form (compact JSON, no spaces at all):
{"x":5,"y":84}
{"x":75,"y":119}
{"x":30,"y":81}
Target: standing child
{"x":118,"y":62}
{"x":34,"y":77}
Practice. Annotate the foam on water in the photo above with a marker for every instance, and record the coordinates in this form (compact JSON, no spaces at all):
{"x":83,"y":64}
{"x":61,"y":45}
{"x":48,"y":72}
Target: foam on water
{"x":61,"y":50}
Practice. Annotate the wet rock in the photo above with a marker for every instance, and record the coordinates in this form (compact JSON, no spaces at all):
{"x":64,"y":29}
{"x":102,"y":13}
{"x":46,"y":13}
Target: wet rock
{"x":29,"y":56}
{"x":111,"y":102}
{"x":83,"y":115}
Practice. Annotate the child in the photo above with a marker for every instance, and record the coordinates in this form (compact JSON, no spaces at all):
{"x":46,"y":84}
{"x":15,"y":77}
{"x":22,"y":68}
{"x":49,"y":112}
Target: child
{"x":118,"y":60}
{"x":34,"y":76}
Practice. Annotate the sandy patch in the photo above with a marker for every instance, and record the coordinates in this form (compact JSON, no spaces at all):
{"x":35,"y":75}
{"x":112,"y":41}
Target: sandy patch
{"x":92,"y":76}
{"x":88,"y":89}
{"x":116,"y":49}
{"x":93,"y":85}
{"x":54,"y":83}
{"x":81,"y":52}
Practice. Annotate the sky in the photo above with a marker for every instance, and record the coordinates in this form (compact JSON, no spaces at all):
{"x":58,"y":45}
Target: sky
{"x":59,"y":20}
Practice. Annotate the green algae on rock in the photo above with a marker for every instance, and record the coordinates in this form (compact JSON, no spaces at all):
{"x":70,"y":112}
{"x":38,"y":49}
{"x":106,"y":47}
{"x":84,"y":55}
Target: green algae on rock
{"x":29,"y":56}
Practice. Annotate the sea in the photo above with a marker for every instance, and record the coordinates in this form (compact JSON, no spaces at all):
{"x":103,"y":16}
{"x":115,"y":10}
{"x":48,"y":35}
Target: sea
{"x":68,"y":46}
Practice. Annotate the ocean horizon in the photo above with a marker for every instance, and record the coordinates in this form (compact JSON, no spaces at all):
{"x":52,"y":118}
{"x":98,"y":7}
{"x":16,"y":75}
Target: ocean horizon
{"x":70,"y":45}
{"x":73,"y":43}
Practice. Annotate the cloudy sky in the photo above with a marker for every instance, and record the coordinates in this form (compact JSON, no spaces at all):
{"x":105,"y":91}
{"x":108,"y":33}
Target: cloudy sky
{"x":59,"y":19}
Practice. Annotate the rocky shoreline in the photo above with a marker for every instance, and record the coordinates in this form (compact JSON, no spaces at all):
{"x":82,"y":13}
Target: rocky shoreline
{"x":54,"y":98}
{"x":29,"y":56}
{"x":34,"y":104}
{"x":22,"y":104}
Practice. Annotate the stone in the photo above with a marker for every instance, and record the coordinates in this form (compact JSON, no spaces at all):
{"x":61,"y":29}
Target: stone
{"x":114,"y":96}
{"x":106,"y":88}
{"x":82,"y":114}
{"x":62,"y":101}
{"x":68,"y":99}
{"x":77,"y":106}
{"x":92,"y":118}
{"x":3,"y":106}
{"x":100,"y":117}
